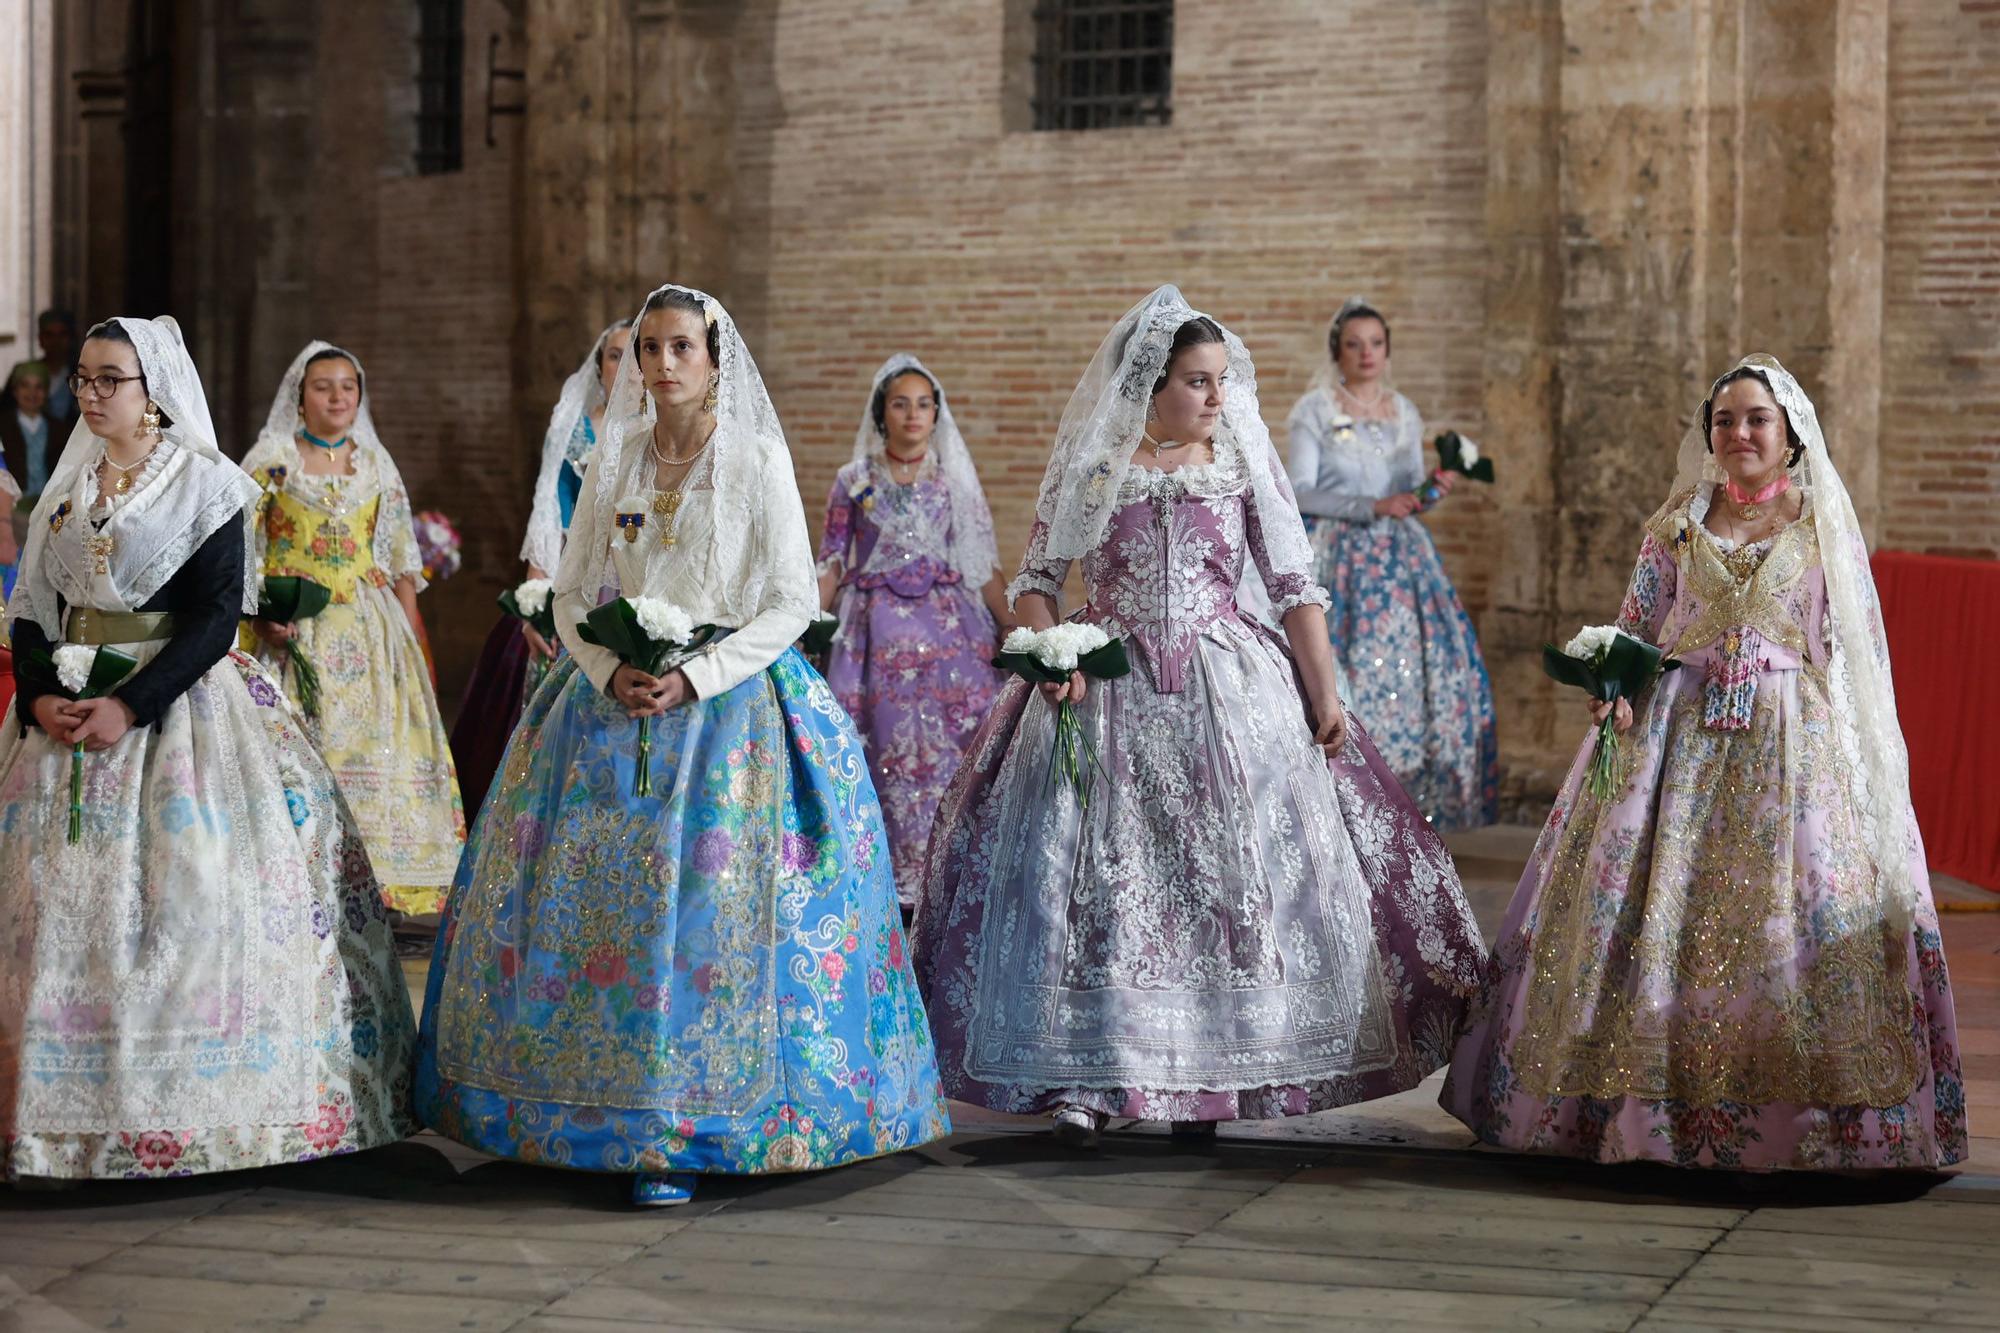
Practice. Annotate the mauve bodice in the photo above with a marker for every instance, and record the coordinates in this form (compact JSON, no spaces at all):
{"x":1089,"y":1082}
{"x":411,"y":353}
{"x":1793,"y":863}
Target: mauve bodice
{"x":1166,"y":571}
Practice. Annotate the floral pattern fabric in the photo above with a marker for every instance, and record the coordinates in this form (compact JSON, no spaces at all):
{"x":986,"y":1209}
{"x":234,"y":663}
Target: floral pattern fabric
{"x":911,"y":659}
{"x":712,"y":978}
{"x":1234,"y":927}
{"x":1697,"y":970}
{"x":379,"y":724}
{"x":136,"y":1037}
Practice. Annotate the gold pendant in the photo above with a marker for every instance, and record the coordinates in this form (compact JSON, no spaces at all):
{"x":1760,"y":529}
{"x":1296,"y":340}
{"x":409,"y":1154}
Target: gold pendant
{"x":631,"y":534}
{"x":99,"y":547}
{"x":1751,"y":513}
{"x":667,"y":507}
{"x":123,"y":484}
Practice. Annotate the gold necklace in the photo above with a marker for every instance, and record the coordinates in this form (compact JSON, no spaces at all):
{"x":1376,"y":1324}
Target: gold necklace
{"x":125,"y":470}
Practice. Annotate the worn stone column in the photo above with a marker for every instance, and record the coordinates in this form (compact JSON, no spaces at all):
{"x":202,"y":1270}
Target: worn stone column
{"x":1668,"y":186}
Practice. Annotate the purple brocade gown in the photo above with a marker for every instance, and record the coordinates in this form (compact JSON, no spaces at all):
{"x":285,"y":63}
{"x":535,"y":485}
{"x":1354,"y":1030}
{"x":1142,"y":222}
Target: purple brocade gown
{"x":1235,"y":927}
{"x":912,"y":660}
{"x":1698,"y":970}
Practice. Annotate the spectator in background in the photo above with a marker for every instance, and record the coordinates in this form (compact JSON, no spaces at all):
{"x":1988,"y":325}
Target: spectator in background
{"x":55,"y":330}
{"x":31,"y":434}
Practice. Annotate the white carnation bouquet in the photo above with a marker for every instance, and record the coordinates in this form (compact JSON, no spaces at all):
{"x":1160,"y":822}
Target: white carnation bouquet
{"x":78,"y":671}
{"x":648,"y":635}
{"x":1048,"y":657}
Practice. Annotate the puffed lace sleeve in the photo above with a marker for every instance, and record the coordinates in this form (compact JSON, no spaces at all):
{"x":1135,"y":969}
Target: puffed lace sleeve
{"x":1278,"y":545}
{"x":1040,"y":572}
{"x":396,"y":547}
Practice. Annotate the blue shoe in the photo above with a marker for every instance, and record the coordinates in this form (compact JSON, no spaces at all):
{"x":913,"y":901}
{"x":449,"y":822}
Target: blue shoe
{"x":654,"y":1191}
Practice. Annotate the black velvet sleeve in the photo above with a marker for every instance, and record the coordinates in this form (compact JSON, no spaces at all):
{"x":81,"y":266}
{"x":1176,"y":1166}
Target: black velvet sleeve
{"x":205,"y":596}
{"x":27,"y":637}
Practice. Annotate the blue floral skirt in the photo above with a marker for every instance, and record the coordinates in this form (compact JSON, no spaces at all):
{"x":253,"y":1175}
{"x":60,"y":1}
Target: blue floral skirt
{"x":710,"y":978}
{"x":1410,"y":664}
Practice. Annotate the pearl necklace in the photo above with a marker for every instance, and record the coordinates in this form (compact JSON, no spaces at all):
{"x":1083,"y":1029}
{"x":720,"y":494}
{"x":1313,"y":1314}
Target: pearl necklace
{"x":1366,"y":407}
{"x":125,"y":470}
{"x":668,"y":460}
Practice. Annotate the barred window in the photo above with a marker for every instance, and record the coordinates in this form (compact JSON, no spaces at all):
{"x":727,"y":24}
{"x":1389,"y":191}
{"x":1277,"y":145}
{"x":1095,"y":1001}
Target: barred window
{"x":440,"y":86}
{"x":1102,"y":63}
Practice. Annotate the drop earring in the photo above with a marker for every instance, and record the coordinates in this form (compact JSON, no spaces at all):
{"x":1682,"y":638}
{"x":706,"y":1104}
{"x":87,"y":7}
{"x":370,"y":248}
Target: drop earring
{"x":714,"y":382}
{"x":149,"y":424}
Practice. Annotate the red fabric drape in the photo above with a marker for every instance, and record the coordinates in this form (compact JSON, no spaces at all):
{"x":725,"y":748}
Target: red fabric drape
{"x":1942,"y":616}
{"x":6,"y":678}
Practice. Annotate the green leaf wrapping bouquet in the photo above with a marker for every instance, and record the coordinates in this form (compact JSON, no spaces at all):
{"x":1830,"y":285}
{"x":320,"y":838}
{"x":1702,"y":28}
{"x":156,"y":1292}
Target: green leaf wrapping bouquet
{"x":78,"y":671}
{"x":287,"y":599}
{"x":1608,"y":665}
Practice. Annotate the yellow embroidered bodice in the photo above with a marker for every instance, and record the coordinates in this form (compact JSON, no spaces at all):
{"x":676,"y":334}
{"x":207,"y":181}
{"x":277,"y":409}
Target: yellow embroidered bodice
{"x":319,"y":537}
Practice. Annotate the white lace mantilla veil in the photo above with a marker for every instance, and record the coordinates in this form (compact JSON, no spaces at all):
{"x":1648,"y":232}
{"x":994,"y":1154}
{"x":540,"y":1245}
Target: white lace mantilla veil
{"x":972,"y":550}
{"x":581,"y":393}
{"x":757,"y":565}
{"x":395,"y":545}
{"x":160,"y":526}
{"x":1863,"y":694}
{"x":1102,"y":425}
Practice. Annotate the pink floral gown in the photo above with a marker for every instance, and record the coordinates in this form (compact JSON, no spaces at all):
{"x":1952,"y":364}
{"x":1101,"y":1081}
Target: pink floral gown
{"x":1697,"y":971}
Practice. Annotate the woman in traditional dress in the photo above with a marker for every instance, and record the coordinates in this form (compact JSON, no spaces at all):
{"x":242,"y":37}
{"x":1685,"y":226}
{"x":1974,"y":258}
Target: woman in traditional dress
{"x":203,"y":979}
{"x":334,"y":510}
{"x":1249,"y":919}
{"x":908,"y":560}
{"x":501,"y":679}
{"x":712,"y":977}
{"x":1406,"y":649}
{"x":1733,"y":961}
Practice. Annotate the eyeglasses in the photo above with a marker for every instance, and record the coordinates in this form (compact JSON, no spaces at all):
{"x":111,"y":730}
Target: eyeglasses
{"x":101,"y":385}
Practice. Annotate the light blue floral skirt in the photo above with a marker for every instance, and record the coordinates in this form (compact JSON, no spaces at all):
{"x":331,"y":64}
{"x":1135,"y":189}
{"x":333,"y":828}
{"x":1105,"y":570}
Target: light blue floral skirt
{"x":711,"y":978}
{"x":1410,"y":664}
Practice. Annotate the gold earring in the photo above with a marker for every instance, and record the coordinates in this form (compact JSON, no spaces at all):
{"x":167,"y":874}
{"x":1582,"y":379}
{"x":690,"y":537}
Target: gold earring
{"x":149,"y":424}
{"x":708,"y":403}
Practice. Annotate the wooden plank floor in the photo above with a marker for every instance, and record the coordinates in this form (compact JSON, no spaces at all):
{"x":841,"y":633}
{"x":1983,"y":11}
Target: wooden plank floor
{"x":1377,"y":1217}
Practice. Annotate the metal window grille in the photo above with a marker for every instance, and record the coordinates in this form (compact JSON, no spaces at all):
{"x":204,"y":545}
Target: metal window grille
{"x":1103,"y":63}
{"x":440,"y":86}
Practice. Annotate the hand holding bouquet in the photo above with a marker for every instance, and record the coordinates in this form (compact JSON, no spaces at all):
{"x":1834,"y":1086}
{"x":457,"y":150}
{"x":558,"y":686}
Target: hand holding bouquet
{"x":1047,"y":657}
{"x":1457,"y":457}
{"x":1609,"y":665}
{"x":285,"y":600}
{"x":651,"y":637}
{"x":532,"y":603}
{"x":79,"y":671}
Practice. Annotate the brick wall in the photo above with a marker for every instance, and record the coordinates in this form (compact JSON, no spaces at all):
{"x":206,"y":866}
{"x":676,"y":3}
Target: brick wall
{"x":1316,"y":150}
{"x":1941,"y":302}
{"x":419,"y":278}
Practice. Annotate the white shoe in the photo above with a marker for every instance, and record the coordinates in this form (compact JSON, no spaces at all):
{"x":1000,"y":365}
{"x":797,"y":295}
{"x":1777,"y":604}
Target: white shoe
{"x":1077,"y":1127}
